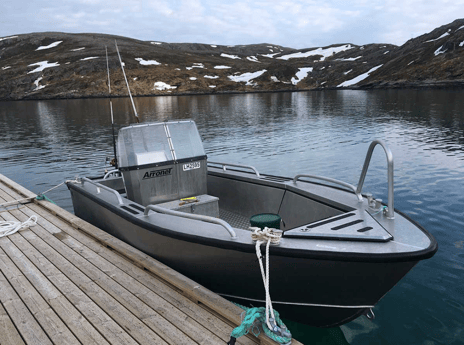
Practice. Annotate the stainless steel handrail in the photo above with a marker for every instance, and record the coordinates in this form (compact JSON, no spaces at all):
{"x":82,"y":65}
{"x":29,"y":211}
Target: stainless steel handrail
{"x":108,"y":189}
{"x":110,"y":172}
{"x":328,"y":179}
{"x":192,"y":216}
{"x":236,"y":165}
{"x":390,"y":211}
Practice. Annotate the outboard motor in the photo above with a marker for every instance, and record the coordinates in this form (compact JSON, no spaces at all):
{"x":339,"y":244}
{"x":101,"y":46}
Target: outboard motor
{"x":161,"y":162}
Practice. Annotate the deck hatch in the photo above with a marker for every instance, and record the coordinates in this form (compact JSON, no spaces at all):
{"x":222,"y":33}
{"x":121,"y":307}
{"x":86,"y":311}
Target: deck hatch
{"x":352,"y":226}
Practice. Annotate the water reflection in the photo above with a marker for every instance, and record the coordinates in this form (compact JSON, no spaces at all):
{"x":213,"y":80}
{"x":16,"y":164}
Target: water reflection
{"x":322,"y":133}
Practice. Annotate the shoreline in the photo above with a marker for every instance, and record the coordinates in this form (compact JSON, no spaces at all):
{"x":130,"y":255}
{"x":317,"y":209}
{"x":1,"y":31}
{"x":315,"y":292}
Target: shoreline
{"x":448,"y":85}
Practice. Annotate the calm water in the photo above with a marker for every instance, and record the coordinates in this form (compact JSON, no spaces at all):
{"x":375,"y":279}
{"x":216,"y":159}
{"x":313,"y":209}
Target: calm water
{"x":42,"y":143}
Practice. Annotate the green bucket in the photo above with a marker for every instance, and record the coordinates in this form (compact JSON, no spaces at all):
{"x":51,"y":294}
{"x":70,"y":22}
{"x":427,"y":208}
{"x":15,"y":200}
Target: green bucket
{"x":263,"y":220}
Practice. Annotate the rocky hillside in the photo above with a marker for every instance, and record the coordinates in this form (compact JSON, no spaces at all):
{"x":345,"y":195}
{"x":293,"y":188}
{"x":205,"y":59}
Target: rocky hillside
{"x":59,"y":65}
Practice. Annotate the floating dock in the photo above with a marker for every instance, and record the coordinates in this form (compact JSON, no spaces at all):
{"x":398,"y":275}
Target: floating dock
{"x":64,"y":281}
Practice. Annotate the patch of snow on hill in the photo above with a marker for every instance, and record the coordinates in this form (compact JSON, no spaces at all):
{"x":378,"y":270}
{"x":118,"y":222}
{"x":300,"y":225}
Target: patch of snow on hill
{"x":193,"y":78}
{"x":274,"y":79}
{"x":77,"y":49}
{"x":196,"y":65}
{"x":345,"y":73}
{"x":386,"y":52}
{"x":359,"y":77}
{"x":156,"y":43}
{"x":460,"y":28}
{"x":7,"y":38}
{"x":252,"y":58}
{"x":89,"y":58}
{"x":439,"y":51}
{"x":6,"y":67}
{"x":269,"y":55}
{"x":301,"y":74}
{"x":147,"y":62}
{"x":436,"y":39}
{"x":214,"y":46}
{"x":246,"y":77}
{"x":349,"y":59}
{"x":52,"y":45}
{"x":319,"y":51}
{"x":159,"y":85}
{"x":222,"y":67}
{"x":42,"y":65}
{"x":212,"y":86}
{"x":37,"y":86}
{"x":211,"y":76}
{"x":461,"y":44}
{"x":230,"y":56}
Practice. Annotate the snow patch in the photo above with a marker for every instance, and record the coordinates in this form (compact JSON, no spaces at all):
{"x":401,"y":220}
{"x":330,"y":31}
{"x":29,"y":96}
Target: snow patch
{"x":211,"y":76}
{"x":6,"y":67}
{"x":386,"y":52}
{"x":177,"y":69}
{"x":246,"y":77}
{"x":301,"y":74}
{"x":319,"y":51}
{"x":274,"y":79}
{"x":461,"y":44}
{"x":252,"y":58}
{"x":345,"y":73}
{"x":193,"y":78}
{"x":436,"y":39}
{"x":42,"y":65}
{"x":89,"y":58}
{"x":7,"y":38}
{"x":222,"y":67}
{"x":350,"y":59}
{"x":156,"y":43}
{"x":230,"y":56}
{"x":159,"y":85}
{"x":462,"y":27}
{"x":269,"y":55}
{"x":147,"y":62}
{"x":37,"y":86}
{"x":52,"y":45}
{"x":196,"y":65}
{"x":359,"y":77}
{"x":212,"y":86}
{"x":439,"y":51}
{"x":214,"y":46}
{"x":135,"y":78}
{"x":77,"y":49}
{"x":410,"y":63}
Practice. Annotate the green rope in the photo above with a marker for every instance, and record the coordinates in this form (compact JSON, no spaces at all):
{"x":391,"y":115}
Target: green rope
{"x":44,"y":197}
{"x":252,"y":319}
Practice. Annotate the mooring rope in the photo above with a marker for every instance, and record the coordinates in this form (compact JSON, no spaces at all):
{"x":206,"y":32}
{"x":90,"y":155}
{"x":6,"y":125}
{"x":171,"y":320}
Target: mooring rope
{"x":272,"y":326}
{"x":8,"y":227}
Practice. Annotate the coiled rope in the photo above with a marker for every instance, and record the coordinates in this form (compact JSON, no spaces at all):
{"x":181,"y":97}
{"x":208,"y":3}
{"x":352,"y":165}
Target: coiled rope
{"x":272,"y":326}
{"x":8,"y":228}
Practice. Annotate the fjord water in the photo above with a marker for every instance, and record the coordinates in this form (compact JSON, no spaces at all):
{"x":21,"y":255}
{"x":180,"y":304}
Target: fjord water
{"x":43,"y":143}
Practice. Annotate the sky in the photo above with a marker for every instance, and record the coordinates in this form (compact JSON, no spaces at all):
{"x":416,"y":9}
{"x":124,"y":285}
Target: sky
{"x":295,"y":24}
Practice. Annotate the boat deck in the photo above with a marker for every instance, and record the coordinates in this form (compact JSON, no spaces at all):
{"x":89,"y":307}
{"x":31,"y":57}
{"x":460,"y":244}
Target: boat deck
{"x":64,"y":281}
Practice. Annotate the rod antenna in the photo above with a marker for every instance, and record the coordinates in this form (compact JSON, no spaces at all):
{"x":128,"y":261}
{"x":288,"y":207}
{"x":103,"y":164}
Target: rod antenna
{"x":115,"y":161}
{"x":127,"y":83}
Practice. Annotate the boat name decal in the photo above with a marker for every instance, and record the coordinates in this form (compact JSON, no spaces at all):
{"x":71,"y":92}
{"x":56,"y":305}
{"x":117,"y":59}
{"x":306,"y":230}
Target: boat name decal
{"x":157,"y":173}
{"x":191,"y":166}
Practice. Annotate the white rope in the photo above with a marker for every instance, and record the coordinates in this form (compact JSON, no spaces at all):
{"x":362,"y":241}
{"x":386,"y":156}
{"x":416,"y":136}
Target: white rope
{"x":10,"y":227}
{"x":267,"y":236}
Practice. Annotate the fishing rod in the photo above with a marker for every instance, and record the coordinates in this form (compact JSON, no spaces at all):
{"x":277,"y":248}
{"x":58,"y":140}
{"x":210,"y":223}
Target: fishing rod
{"x":127,"y":83}
{"x":115,"y":161}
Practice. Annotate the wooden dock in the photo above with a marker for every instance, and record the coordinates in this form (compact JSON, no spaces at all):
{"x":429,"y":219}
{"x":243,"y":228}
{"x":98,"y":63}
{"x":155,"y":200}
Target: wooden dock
{"x":64,"y":281}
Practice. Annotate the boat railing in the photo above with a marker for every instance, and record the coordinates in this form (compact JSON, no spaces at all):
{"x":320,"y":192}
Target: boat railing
{"x":328,"y":179}
{"x":203,"y":218}
{"x":111,"y":172}
{"x":99,"y":186}
{"x":224,"y":165}
{"x":390,"y":210}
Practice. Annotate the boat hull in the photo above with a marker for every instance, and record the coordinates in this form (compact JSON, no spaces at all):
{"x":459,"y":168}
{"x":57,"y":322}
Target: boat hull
{"x":317,"y":292}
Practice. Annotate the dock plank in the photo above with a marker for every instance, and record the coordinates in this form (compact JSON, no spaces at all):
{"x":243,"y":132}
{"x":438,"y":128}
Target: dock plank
{"x":8,"y":332}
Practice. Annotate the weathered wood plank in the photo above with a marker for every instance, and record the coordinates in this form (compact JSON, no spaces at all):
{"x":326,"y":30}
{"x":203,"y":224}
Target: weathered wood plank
{"x":25,"y":322}
{"x":8,"y":332}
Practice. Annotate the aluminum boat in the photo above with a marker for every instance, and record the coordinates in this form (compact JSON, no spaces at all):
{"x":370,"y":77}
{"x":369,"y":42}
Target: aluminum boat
{"x":341,"y":250}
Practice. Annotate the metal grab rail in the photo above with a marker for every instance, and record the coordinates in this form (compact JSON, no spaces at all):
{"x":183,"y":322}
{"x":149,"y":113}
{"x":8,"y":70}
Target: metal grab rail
{"x":192,"y":216}
{"x":108,"y":189}
{"x":238,"y":166}
{"x":390,"y":211}
{"x":111,"y":172}
{"x":328,"y":179}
